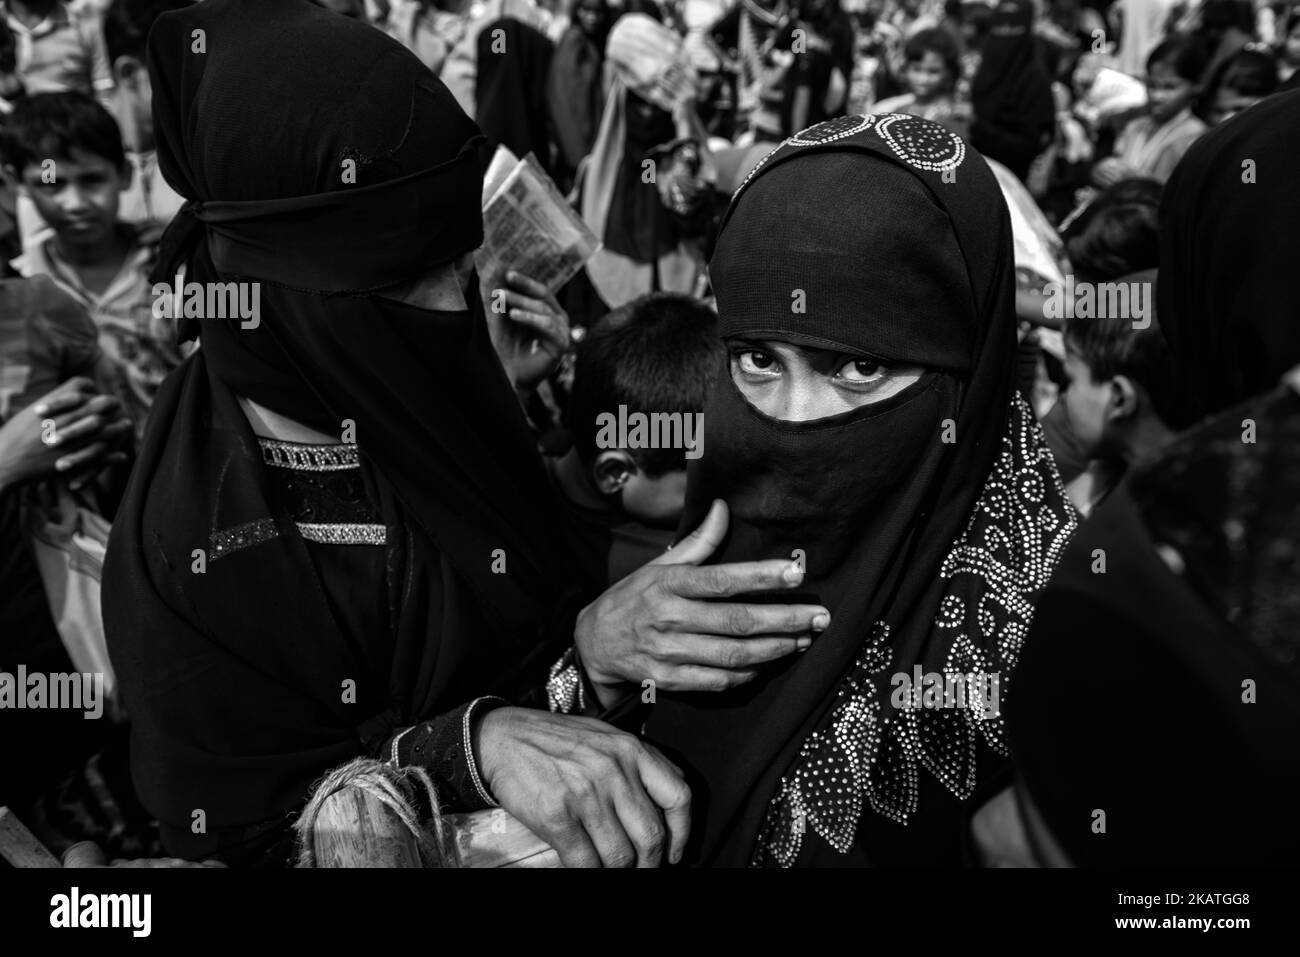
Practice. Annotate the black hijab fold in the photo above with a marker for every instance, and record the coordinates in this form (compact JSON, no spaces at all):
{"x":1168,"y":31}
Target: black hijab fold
{"x":925,"y":551}
{"x":1232,"y":202}
{"x":234,"y":677}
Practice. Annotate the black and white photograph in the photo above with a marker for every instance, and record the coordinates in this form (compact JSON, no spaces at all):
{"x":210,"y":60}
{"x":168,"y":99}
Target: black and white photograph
{"x":670,"y":434}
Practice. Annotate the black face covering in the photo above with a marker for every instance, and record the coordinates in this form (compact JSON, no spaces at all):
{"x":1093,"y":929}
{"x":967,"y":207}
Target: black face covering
{"x":783,"y":482}
{"x":233,"y":677}
{"x":926,"y":520}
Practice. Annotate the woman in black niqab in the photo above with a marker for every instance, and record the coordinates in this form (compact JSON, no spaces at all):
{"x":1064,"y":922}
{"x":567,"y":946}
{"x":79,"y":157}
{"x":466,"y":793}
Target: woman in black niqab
{"x":321,"y":160}
{"x":1011,"y":95}
{"x":927,"y":520}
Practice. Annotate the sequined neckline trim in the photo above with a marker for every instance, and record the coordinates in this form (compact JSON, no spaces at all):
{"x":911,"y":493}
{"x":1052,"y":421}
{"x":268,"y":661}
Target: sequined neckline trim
{"x":308,"y":458}
{"x":343,"y":533}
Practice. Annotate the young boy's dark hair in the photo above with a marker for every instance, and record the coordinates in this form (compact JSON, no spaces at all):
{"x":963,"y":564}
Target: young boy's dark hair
{"x":1186,"y":54}
{"x":940,"y":42}
{"x":52,"y":125}
{"x":1118,"y":233}
{"x":1112,"y":347}
{"x":658,"y":353}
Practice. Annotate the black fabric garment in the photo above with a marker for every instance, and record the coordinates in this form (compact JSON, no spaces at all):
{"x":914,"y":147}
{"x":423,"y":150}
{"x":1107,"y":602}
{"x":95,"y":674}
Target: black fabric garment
{"x":575,"y":94}
{"x":1011,"y":95}
{"x":510,"y":101}
{"x":896,"y":525}
{"x":638,"y":225}
{"x":235,"y":676}
{"x":1164,"y":690}
{"x":1225,"y":294}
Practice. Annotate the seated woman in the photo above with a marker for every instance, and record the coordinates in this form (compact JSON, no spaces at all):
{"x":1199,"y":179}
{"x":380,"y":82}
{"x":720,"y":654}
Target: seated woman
{"x":868,"y":427}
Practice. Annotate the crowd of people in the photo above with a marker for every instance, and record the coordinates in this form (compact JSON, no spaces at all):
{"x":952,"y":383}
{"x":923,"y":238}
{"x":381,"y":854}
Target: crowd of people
{"x":383,"y":514}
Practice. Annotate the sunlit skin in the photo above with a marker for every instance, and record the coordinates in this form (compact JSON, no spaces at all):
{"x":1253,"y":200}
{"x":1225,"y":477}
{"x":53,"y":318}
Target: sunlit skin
{"x":1167,"y":92}
{"x":928,"y":77}
{"x":799,"y":383}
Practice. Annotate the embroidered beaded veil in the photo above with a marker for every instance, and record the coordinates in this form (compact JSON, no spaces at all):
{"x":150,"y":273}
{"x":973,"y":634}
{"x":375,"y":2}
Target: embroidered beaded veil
{"x":927,"y":555}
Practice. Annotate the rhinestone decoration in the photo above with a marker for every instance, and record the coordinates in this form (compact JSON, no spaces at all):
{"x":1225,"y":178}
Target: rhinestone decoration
{"x":920,"y":143}
{"x":231,"y":540}
{"x":865,"y":756}
{"x":343,"y":533}
{"x":308,"y":458}
{"x":564,"y":689}
{"x":829,"y":131}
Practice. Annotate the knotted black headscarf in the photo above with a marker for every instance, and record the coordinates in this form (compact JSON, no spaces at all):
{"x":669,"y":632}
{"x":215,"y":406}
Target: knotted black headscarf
{"x":927,"y":521}
{"x":322,"y":160}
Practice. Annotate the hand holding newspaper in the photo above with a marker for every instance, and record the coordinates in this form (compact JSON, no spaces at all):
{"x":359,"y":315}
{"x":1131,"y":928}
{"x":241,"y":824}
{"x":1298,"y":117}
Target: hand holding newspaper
{"x":528,"y":227}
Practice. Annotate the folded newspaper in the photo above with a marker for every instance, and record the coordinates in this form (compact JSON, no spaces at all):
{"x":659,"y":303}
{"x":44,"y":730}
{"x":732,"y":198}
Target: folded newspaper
{"x":528,"y":227}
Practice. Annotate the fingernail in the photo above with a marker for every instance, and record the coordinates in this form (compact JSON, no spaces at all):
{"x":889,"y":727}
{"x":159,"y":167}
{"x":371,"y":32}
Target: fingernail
{"x":803,"y":644}
{"x":40,"y":409}
{"x":62,"y":465}
{"x":821,"y":622}
{"x":793,"y":574}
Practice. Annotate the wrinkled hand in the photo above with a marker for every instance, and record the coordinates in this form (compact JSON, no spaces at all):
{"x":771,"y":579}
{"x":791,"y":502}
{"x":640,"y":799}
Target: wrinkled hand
{"x":531,"y":336}
{"x":70,"y":430}
{"x":665,"y":622}
{"x":598,"y":796}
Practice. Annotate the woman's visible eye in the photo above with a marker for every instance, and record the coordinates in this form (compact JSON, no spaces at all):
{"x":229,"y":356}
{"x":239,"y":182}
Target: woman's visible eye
{"x":862,"y":371}
{"x":754,"y":362}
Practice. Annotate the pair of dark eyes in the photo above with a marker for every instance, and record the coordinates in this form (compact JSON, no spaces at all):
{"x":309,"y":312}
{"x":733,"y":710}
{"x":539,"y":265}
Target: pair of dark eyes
{"x":757,"y":362}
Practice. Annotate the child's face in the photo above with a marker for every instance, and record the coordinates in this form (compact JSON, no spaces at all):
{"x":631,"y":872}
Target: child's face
{"x":657,"y":502}
{"x":799,"y":383}
{"x":1087,"y":405}
{"x":1227,"y":104}
{"x":1291,"y":50}
{"x":1167,"y":92}
{"x":928,"y":76}
{"x":591,"y":16}
{"x":81,"y":202}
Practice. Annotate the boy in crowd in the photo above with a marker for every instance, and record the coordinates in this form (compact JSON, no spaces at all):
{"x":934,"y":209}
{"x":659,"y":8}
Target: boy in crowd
{"x":149,"y":199}
{"x":67,"y":153}
{"x":657,"y":354}
{"x":1120,"y":379}
{"x":60,"y":46}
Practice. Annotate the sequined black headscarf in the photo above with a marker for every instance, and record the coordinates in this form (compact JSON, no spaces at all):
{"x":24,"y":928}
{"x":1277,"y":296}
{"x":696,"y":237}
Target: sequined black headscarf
{"x":928,"y":521}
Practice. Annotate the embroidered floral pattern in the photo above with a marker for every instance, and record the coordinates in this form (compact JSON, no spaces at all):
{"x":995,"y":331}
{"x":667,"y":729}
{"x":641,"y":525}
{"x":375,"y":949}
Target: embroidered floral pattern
{"x":870,"y":756}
